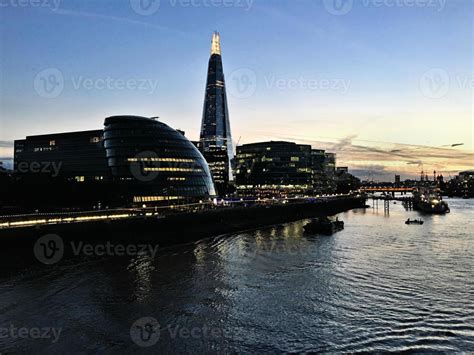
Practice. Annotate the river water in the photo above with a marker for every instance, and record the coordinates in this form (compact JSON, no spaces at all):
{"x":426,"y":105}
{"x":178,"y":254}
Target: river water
{"x":377,"y":285}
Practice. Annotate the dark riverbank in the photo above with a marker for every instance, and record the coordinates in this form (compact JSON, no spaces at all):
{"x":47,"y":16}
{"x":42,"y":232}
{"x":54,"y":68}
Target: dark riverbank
{"x":180,"y":227}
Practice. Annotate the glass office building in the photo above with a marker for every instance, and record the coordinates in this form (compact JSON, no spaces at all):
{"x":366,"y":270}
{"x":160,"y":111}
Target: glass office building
{"x":76,"y":156}
{"x":274,"y":169}
{"x":215,"y":140}
{"x":155,"y":162}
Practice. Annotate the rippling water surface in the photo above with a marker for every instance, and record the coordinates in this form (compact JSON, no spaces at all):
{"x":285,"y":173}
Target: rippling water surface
{"x":377,"y":285}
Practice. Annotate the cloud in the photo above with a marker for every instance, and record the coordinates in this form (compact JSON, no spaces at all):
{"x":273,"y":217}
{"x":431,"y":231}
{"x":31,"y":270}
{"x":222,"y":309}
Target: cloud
{"x":6,"y":144}
{"x":382,"y":160}
{"x":344,"y":142}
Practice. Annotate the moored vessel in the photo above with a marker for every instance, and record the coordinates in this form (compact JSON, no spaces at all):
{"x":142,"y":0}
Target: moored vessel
{"x":323,"y":225}
{"x":429,"y":201}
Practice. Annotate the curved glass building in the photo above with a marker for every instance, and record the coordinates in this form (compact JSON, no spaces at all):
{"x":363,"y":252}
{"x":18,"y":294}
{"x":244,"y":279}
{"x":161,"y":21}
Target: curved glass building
{"x":155,"y":162}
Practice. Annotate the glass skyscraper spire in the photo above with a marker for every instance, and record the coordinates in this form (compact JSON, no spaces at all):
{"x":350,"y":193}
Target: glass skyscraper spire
{"x":216,"y":141}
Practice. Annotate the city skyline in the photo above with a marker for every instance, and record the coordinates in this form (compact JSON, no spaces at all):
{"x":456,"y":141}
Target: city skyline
{"x":395,"y":107}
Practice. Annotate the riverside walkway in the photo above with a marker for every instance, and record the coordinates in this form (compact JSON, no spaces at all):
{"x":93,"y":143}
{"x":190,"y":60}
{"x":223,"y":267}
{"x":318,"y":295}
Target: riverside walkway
{"x":51,"y":218}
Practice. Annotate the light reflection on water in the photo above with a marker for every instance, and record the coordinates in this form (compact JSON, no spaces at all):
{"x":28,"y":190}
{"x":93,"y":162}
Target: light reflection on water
{"x":377,"y":285}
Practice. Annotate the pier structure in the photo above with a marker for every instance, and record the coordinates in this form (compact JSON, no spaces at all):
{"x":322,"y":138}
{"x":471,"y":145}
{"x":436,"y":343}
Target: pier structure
{"x":407,"y":201}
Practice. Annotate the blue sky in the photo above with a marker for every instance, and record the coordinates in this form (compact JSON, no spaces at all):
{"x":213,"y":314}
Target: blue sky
{"x":352,"y":76}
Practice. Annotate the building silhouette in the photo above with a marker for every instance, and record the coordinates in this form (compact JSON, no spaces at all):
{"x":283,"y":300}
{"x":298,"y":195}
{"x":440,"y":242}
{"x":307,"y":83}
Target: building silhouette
{"x":216,"y":140}
{"x":134,"y":160}
{"x":78,"y":156}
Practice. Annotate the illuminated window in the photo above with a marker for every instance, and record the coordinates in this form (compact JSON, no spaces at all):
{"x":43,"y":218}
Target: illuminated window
{"x":52,"y":143}
{"x":172,"y":178}
{"x":170,"y":160}
{"x":173,"y":169}
{"x":155,"y":198}
{"x":95,"y":139}
{"x":42,"y":149}
{"x":79,"y":178}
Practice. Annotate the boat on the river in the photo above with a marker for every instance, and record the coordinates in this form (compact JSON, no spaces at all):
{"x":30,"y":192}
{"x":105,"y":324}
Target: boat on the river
{"x":414,"y":221}
{"x":429,"y":201}
{"x":323,"y":225}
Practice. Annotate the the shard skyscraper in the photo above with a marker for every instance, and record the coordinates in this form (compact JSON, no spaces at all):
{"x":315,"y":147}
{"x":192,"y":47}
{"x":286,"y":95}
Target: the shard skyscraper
{"x":216,"y":141}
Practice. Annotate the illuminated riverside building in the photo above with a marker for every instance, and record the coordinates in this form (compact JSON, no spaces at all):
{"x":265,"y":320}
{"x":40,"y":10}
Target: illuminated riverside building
{"x":329,"y":165}
{"x":273,"y":169}
{"x":215,"y":140}
{"x":283,"y":169}
{"x":74,"y":155}
{"x":154,"y":162}
{"x":322,"y":183}
{"x":142,"y":161}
